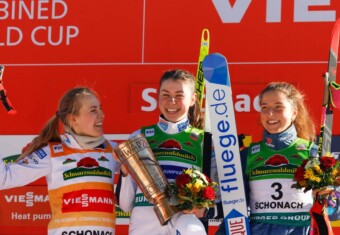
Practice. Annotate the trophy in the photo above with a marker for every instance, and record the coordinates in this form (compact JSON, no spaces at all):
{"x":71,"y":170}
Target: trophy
{"x":136,"y":155}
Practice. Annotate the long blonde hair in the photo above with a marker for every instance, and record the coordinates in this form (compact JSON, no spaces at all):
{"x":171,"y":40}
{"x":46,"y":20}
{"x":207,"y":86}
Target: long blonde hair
{"x":68,"y":104}
{"x":303,"y":123}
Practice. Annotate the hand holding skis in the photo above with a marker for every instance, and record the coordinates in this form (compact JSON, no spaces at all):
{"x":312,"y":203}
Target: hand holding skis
{"x":9,"y":108}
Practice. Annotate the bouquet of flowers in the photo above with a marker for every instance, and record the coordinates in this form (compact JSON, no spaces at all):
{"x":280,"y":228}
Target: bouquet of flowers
{"x":317,"y":173}
{"x":193,"y":189}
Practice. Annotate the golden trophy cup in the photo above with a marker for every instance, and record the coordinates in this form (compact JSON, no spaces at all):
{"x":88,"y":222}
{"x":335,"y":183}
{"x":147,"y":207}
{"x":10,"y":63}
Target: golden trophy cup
{"x":136,"y":155}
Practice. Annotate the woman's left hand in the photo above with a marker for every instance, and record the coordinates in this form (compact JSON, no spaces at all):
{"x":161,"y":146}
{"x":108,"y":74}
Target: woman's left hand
{"x":199,"y":212}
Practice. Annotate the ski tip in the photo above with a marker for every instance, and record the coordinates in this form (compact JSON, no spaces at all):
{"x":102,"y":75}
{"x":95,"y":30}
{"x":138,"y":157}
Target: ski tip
{"x":215,"y":69}
{"x":335,"y":38}
{"x":2,"y":69}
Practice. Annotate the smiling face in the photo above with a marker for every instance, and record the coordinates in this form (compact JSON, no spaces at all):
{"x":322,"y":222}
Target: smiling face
{"x":89,"y":119}
{"x":277,"y":112}
{"x":175,"y":99}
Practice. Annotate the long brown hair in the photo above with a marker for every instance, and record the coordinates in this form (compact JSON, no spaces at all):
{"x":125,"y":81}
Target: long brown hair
{"x":195,"y":115}
{"x":303,"y":123}
{"x":68,"y":104}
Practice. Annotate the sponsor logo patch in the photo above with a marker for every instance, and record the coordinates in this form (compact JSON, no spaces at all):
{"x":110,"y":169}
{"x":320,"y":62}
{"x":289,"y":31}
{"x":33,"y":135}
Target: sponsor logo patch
{"x":149,"y":132}
{"x":255,"y":149}
{"x":89,"y":200}
{"x":58,"y":148}
{"x":183,"y":126}
{"x":194,"y":136}
{"x":40,"y":153}
{"x":164,"y":125}
{"x":301,"y":147}
{"x":87,"y":166}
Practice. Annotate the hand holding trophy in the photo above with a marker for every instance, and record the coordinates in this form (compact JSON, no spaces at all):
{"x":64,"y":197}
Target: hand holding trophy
{"x":137,"y":157}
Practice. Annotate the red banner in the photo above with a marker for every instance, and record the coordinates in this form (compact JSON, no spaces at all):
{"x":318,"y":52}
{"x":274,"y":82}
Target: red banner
{"x":121,"y":48}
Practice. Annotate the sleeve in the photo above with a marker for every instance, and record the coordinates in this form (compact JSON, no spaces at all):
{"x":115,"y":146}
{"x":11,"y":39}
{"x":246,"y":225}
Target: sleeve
{"x":137,"y":132}
{"x":26,"y":170}
{"x":243,"y":155}
{"x":126,"y":188}
{"x":126,"y":192}
{"x":333,"y":202}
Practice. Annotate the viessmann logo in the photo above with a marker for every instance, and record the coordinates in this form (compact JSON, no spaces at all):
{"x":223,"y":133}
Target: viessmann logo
{"x":88,"y":200}
{"x":233,"y":11}
{"x":87,"y":167}
{"x":29,"y":198}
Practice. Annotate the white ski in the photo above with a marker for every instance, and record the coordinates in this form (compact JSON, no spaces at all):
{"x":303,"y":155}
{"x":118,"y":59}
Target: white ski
{"x":225,"y":139}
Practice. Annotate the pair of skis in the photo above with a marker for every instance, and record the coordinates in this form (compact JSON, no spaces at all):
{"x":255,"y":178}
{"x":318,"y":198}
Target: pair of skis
{"x":200,"y":85}
{"x":220,"y":128}
{"x":3,"y":96}
{"x":204,"y":51}
{"x":330,"y":94}
{"x":331,"y":100}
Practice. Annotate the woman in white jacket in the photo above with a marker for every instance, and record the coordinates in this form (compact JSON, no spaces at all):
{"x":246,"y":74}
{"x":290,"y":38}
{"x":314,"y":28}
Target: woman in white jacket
{"x":176,"y":141}
{"x":78,"y":165}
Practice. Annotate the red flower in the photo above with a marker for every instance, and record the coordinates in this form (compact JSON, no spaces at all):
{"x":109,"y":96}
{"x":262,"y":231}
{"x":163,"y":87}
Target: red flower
{"x":208,"y":193}
{"x":182,"y":180}
{"x":327,"y":162}
{"x":299,"y":173}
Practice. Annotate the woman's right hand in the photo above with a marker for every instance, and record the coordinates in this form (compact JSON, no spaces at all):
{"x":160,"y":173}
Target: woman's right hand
{"x":324,"y":191}
{"x":123,"y":169}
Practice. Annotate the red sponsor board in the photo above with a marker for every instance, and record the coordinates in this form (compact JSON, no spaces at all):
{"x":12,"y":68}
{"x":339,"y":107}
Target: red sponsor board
{"x":120,"y":48}
{"x":24,"y":210}
{"x":88,"y":200}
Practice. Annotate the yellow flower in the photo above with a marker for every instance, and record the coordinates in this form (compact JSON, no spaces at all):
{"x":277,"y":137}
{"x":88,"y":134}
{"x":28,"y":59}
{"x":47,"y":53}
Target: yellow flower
{"x":188,"y":171}
{"x":335,"y":172}
{"x":316,"y":179}
{"x":318,"y":169}
{"x":309,"y":174}
{"x":214,"y":184}
{"x":199,"y":183}
{"x":192,"y":189}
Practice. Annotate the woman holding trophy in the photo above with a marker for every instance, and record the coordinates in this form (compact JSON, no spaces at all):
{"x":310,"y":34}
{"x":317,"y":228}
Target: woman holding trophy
{"x":176,"y":143}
